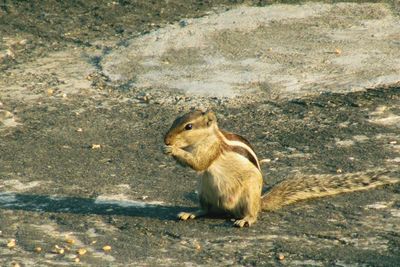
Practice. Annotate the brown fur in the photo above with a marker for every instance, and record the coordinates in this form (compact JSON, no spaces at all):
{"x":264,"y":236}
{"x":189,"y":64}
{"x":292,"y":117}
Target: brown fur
{"x":245,"y":152}
{"x":231,"y":180}
{"x":302,"y":187}
{"x":223,"y":189}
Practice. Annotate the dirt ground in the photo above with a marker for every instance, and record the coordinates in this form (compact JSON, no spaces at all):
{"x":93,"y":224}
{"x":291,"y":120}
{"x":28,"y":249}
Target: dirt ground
{"x":81,"y":165}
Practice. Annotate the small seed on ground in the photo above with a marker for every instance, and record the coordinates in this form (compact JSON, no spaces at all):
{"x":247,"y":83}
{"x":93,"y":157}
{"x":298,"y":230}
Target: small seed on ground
{"x":107,"y":248}
{"x":81,"y":251}
{"x":70,"y":241}
{"x":11,"y":243}
{"x":96,"y":146}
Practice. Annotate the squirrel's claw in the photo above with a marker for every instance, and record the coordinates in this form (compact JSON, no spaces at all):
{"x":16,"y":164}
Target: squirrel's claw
{"x":167,"y":149}
{"x":245,"y":222}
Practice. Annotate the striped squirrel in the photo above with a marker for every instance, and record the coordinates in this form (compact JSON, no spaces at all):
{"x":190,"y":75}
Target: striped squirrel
{"x":231,"y":180}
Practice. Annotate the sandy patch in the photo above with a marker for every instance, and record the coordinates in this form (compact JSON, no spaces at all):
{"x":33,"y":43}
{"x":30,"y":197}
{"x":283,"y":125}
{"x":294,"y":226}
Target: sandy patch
{"x":123,"y":201}
{"x":282,"y":49}
{"x":14,"y":185}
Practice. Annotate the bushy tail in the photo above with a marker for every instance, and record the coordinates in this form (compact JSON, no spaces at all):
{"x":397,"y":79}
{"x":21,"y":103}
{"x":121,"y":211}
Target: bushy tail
{"x":303,"y":187}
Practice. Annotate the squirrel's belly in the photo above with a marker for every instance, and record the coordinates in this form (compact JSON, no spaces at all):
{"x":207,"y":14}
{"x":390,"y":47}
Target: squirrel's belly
{"x":217,"y":193}
{"x":221,"y":186}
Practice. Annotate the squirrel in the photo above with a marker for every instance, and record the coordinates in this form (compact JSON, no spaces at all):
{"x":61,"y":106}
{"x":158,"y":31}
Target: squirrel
{"x":231,"y":180}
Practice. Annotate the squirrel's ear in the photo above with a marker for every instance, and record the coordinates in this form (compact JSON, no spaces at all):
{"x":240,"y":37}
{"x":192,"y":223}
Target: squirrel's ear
{"x":211,"y":118}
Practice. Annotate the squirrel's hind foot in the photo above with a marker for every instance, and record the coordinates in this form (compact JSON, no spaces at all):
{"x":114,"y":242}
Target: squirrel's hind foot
{"x":245,"y":222}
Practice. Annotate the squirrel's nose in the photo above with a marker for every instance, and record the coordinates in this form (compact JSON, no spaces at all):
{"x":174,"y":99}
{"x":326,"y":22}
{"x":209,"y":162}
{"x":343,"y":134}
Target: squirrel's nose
{"x":167,"y":141}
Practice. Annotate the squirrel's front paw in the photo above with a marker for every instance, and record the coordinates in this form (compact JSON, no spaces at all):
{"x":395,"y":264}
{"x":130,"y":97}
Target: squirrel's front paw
{"x":168,"y":150}
{"x":186,"y":215}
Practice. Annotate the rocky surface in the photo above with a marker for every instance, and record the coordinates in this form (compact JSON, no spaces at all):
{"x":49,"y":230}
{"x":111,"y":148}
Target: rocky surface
{"x":84,"y":105}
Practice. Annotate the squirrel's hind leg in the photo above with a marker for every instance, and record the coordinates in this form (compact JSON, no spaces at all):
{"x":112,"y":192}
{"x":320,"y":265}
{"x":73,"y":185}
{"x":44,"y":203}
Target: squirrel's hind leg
{"x":249,"y":205}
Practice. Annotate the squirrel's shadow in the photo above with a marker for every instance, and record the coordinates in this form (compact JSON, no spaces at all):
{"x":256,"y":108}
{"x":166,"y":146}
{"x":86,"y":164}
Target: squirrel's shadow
{"x":78,"y":205}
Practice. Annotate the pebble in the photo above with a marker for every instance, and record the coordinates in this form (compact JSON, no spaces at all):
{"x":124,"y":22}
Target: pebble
{"x":183,"y":23}
{"x":38,"y":249}
{"x":281,"y":257}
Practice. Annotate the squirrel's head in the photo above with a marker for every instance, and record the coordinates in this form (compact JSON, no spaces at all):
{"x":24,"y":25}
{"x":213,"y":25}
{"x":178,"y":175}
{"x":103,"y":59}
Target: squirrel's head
{"x":191,"y":128}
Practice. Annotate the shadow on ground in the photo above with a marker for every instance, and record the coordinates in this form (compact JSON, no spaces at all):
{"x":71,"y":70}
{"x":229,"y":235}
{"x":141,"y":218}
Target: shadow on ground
{"x":77,"y":205}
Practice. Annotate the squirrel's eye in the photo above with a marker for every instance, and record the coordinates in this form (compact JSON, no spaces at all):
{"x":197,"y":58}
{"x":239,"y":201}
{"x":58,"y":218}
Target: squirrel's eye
{"x":188,"y":127}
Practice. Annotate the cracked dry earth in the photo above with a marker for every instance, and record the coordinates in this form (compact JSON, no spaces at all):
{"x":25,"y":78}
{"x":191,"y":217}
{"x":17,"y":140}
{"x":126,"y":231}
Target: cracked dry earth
{"x":81,"y":165}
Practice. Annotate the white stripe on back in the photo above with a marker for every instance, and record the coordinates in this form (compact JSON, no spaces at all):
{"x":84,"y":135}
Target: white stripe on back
{"x":242,"y":145}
